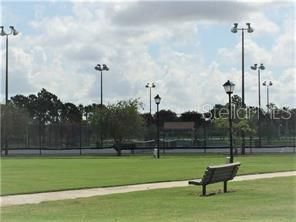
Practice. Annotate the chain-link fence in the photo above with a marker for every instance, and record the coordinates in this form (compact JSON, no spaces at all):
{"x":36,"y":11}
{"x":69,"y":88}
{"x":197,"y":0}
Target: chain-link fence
{"x":82,"y":138}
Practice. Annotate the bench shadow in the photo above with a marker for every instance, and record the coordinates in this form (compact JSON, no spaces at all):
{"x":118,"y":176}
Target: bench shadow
{"x":219,"y":192}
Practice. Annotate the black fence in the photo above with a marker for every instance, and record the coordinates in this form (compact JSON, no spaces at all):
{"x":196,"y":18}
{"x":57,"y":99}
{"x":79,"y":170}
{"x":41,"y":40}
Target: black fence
{"x":83,"y":138}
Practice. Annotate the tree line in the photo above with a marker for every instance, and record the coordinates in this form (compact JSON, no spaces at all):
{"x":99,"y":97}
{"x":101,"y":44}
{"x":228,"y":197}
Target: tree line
{"x":122,"y":120}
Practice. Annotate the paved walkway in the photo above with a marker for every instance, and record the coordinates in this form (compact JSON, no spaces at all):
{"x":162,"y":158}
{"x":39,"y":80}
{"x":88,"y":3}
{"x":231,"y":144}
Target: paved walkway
{"x":73,"y":194}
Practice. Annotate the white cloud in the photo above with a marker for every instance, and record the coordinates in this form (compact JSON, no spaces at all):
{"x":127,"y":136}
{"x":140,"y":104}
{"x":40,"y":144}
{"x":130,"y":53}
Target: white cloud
{"x":262,"y":25}
{"x":283,"y":52}
{"x":253,"y":54}
{"x":156,"y":12}
{"x":61,"y":56}
{"x":284,"y":88}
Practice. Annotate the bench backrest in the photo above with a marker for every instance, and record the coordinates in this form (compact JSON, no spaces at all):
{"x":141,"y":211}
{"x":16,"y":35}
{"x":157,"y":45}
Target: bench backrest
{"x":220,"y":173}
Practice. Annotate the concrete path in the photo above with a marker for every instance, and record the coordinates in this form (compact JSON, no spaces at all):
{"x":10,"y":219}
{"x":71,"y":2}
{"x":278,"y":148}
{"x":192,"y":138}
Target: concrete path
{"x":73,"y":194}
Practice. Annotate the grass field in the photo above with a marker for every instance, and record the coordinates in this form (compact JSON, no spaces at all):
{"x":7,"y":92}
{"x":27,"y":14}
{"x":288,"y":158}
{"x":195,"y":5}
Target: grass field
{"x":265,"y":200}
{"x":29,"y":175}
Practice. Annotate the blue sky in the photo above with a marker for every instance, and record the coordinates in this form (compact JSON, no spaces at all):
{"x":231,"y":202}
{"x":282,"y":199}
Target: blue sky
{"x":186,"y":48}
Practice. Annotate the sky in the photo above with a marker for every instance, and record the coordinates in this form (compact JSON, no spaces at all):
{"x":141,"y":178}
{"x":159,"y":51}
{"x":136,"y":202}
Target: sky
{"x":185,"y":48}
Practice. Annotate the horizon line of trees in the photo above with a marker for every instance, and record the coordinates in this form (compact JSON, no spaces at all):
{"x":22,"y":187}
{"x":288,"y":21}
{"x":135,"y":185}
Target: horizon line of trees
{"x":122,"y":120}
{"x":46,"y":108}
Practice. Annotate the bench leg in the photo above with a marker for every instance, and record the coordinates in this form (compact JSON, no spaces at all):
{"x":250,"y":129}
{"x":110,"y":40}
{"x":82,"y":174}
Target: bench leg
{"x":225,"y":186}
{"x":204,"y":190}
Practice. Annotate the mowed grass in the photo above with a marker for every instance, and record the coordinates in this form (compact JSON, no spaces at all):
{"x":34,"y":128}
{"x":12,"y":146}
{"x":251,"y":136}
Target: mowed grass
{"x":264,"y":200}
{"x":29,"y":175}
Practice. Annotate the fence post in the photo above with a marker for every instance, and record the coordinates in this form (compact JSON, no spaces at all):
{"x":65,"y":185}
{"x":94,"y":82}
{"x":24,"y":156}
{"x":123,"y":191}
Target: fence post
{"x":294,"y":142}
{"x":80,"y":137}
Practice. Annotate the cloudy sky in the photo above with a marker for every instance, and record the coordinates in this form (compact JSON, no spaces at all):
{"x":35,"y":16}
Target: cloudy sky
{"x":185,"y":48}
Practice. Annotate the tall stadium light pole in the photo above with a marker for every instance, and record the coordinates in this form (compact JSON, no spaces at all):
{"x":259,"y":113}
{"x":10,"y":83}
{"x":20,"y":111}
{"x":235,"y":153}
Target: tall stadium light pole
{"x":229,"y":88}
{"x":157,"y":101}
{"x":150,"y":86}
{"x":3,"y":33}
{"x":101,"y":68}
{"x":249,"y":29}
{"x":267,"y":85}
{"x":261,"y":67}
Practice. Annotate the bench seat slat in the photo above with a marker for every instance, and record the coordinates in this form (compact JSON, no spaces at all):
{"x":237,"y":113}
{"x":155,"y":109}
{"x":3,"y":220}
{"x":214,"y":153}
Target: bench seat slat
{"x":224,"y":165}
{"x":219,"y":179}
{"x":229,"y":174}
{"x":226,"y":175}
{"x":216,"y":179}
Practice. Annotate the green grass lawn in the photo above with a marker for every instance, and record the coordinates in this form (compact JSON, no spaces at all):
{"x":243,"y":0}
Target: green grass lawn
{"x":29,"y":175}
{"x":263,"y":200}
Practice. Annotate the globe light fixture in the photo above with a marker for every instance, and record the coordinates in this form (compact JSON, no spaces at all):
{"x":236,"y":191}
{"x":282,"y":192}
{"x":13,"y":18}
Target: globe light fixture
{"x":229,"y":87}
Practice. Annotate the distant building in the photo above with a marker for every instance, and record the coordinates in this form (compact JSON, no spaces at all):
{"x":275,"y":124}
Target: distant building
{"x":178,"y":126}
{"x":179,"y":134}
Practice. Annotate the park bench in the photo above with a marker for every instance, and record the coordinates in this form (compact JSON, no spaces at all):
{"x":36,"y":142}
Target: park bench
{"x":215,"y":174}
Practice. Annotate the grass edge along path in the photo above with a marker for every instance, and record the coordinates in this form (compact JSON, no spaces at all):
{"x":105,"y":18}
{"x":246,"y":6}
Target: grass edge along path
{"x":84,"y":193}
{"x":32,"y":175}
{"x":265,"y":200}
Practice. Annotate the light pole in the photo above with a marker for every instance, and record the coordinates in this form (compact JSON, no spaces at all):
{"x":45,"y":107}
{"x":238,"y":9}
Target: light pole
{"x":150,"y":86}
{"x":249,"y":29}
{"x":3,"y":33}
{"x":261,"y":67}
{"x":229,"y":88}
{"x":102,"y":68}
{"x":157,"y":101}
{"x":267,"y":93}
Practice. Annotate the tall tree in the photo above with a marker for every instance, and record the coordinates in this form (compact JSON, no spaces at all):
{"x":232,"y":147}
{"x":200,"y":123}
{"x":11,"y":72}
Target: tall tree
{"x":121,"y":120}
{"x":166,"y":116}
{"x":70,"y":113}
{"x":20,"y":101}
{"x":192,"y":116}
{"x":48,"y":107}
{"x":148,"y":118}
